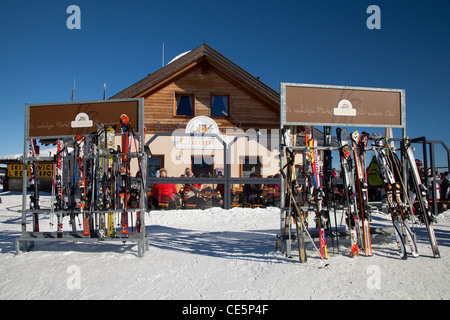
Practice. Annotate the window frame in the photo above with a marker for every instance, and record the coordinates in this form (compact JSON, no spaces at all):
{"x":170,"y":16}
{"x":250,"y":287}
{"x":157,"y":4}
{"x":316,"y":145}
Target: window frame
{"x":212,"y":167}
{"x":175,"y":106}
{"x":244,"y":159}
{"x":228,"y":104}
{"x":161,"y":158}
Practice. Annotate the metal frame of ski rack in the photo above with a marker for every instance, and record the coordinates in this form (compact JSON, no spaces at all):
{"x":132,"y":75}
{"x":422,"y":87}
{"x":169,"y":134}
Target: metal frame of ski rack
{"x":431,"y":144}
{"x":318,"y":104}
{"x":29,"y":237}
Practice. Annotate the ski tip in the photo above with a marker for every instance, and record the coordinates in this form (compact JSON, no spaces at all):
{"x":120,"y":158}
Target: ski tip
{"x":355,"y":136}
{"x":124,"y":119}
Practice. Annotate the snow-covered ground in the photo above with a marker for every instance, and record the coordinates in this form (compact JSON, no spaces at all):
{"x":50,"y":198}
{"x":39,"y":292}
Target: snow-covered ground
{"x":215,"y":254}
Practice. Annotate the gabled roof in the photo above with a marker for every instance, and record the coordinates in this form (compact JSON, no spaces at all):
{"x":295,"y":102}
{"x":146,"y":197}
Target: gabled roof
{"x":201,"y":55}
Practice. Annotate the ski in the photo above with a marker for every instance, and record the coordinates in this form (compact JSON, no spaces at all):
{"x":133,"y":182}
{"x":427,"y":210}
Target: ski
{"x":300,"y":221}
{"x":405,"y":208}
{"x":124,"y":172}
{"x":138,"y":186}
{"x":388,"y":180}
{"x":361,"y":188}
{"x":34,"y":181}
{"x":91,"y":183}
{"x":348,"y":179}
{"x":71,"y":185}
{"x":318,"y":197}
{"x":109,"y":188}
{"x":421,"y":192}
{"x":307,"y":173}
{"x":328,"y":186}
{"x":53,"y":194}
{"x":403,"y":215}
{"x":100,"y":174}
{"x":59,"y":187}
{"x":80,"y":140}
{"x":395,"y":204}
{"x":290,"y":180}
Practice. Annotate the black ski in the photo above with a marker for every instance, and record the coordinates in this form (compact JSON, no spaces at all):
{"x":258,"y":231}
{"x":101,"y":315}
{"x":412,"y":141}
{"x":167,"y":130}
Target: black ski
{"x":100,"y":179}
{"x":34,"y":181}
{"x":124,"y":172}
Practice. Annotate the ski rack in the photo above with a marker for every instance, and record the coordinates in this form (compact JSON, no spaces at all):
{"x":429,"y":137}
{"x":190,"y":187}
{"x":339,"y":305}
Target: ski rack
{"x":285,"y":241}
{"x":432,"y":159}
{"x":28,"y":238}
{"x":308,"y":105}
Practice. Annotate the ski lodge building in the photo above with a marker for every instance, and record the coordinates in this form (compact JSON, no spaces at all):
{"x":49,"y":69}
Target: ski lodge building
{"x":201,"y":91}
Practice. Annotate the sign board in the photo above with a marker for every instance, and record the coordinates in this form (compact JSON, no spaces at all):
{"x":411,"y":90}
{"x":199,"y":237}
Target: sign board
{"x":303,"y":104}
{"x":198,"y":126}
{"x":16,"y":170}
{"x":69,"y":119}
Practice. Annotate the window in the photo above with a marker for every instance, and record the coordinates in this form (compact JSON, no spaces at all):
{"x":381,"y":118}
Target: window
{"x":250,"y":165}
{"x":220,"y":105}
{"x":184,"y":104}
{"x":201,"y":167}
{"x":154,"y":163}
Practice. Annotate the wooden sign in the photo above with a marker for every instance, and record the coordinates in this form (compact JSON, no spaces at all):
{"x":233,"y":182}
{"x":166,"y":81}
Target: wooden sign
{"x":69,"y":119}
{"x":344,"y":106}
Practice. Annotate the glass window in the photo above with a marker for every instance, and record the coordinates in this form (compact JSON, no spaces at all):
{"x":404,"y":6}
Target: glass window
{"x":154,"y":164}
{"x":202,"y":168}
{"x":184,"y":104}
{"x":220,"y":106}
{"x":250,"y":165}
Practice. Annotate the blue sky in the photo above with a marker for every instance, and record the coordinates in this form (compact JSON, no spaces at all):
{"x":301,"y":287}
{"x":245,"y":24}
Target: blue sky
{"x":317,"y":42}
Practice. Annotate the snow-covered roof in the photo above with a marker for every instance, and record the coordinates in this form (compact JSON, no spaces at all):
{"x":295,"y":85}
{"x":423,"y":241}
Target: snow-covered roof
{"x":49,"y":152}
{"x":11,"y":157}
{"x":179,"y":56}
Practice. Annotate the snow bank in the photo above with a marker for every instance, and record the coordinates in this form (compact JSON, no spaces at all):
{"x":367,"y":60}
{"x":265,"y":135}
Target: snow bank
{"x":215,"y":254}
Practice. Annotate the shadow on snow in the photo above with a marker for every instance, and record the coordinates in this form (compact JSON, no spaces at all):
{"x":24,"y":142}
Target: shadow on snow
{"x":255,"y":245}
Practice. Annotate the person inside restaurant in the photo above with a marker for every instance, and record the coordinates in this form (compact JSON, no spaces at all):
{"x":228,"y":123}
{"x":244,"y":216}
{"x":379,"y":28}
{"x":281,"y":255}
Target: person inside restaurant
{"x":163,"y":193}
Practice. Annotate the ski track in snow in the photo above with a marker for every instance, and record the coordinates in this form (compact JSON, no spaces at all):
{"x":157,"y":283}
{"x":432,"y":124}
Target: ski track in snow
{"x":215,"y":254}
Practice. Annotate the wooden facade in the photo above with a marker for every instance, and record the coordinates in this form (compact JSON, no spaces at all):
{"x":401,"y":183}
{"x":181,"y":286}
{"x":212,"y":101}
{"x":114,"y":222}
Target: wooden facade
{"x":204,"y":72}
{"x":200,"y":75}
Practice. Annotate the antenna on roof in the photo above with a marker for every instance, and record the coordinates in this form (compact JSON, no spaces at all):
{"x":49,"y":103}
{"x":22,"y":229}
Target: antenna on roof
{"x":162,"y":64}
{"x":73,"y":89}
